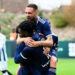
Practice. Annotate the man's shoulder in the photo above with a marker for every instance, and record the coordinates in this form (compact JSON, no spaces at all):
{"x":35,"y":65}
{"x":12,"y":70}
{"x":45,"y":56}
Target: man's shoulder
{"x":2,"y":36}
{"x":22,"y":21}
{"x":21,"y":45}
{"x":53,"y":34}
{"x":43,"y":20}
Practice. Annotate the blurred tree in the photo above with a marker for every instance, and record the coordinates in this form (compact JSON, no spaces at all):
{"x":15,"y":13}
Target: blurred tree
{"x":69,"y":13}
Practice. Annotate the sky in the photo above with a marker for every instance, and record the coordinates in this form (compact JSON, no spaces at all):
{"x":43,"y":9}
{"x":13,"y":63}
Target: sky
{"x":50,"y":4}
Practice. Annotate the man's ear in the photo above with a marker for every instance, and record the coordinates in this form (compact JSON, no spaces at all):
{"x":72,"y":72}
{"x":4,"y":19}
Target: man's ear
{"x":36,"y":12}
{"x":26,"y":34}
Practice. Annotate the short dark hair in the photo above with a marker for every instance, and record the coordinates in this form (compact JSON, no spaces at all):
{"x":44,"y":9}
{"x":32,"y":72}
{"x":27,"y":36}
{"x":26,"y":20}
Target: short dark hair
{"x":34,"y":6}
{"x":28,"y":25}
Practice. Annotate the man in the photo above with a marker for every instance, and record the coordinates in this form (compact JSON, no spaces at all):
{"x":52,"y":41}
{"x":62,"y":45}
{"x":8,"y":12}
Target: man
{"x":43,"y":27}
{"x":3,"y":55}
{"x":32,"y":59}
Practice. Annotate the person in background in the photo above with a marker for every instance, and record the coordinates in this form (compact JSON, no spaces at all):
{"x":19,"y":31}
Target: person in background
{"x":13,"y":35}
{"x":3,"y":55}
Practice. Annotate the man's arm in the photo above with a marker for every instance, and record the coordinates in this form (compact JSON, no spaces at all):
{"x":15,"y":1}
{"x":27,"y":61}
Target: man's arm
{"x":1,"y":44}
{"x":23,"y":55}
{"x":26,"y":40}
{"x":17,"y":57}
{"x":46,"y":43}
{"x":46,"y":31}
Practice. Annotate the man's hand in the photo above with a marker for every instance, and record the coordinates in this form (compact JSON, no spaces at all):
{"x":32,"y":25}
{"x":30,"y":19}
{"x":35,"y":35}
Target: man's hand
{"x":27,"y":40}
{"x":46,"y":50}
{"x":19,"y":40}
{"x":32,"y":43}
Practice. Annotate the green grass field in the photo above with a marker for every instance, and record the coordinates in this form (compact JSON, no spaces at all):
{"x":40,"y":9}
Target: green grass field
{"x":64,"y":66}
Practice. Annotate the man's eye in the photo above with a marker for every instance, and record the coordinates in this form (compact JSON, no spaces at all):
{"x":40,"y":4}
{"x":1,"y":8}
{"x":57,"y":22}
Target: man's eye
{"x":28,"y":13}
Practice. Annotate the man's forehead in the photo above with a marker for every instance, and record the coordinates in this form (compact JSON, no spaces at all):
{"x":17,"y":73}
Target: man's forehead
{"x":29,"y":8}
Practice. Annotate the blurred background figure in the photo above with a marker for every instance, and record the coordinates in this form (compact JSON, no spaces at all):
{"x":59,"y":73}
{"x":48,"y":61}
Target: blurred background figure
{"x":13,"y":35}
{"x":3,"y":55}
